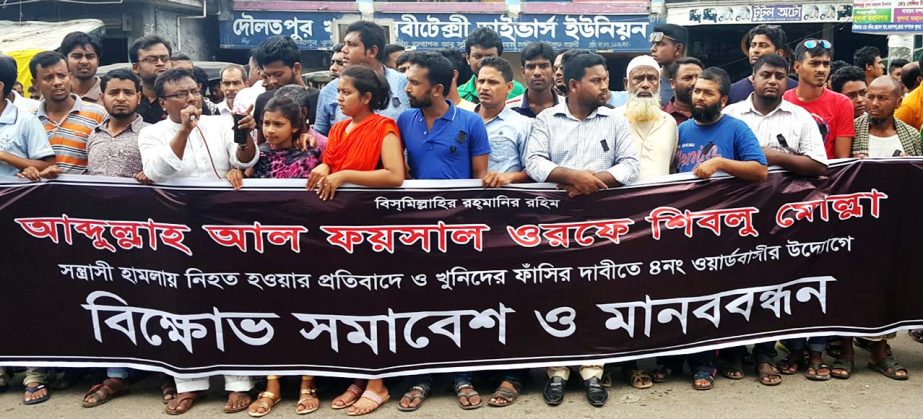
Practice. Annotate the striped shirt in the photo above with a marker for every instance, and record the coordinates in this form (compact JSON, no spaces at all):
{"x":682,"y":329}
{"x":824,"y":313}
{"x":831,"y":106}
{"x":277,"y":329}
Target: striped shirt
{"x":69,"y":137}
{"x":601,"y":142}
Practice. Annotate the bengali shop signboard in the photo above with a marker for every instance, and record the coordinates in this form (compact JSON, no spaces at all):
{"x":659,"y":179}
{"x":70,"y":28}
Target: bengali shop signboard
{"x":888,"y":16}
{"x":717,"y":13}
{"x":601,"y":32}
{"x":624,"y":33}
{"x":197,"y":279}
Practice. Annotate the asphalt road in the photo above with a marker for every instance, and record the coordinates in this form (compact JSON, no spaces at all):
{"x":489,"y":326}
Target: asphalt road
{"x":867,"y":394}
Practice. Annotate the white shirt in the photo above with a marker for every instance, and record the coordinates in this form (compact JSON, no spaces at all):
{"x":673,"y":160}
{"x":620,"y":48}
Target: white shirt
{"x":161,"y":164}
{"x":884,"y":146}
{"x":601,"y":142}
{"x":656,"y":144}
{"x":791,"y":121}
{"x":223,"y":108}
{"x":247,"y":96}
{"x":24,"y":103}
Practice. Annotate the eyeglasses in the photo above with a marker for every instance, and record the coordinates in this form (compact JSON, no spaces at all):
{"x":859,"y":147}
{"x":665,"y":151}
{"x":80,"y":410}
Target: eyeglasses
{"x":813,"y":43}
{"x":184,"y":94}
{"x":156,"y":59}
{"x":658,"y":36}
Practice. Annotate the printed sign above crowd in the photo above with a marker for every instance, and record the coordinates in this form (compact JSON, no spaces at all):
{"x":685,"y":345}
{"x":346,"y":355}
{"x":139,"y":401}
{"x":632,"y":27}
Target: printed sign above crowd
{"x":622,"y":33}
{"x":718,"y":14}
{"x":888,"y":16}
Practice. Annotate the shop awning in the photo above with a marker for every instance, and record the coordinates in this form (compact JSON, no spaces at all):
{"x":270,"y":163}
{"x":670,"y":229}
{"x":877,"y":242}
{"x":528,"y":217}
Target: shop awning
{"x":29,"y":35}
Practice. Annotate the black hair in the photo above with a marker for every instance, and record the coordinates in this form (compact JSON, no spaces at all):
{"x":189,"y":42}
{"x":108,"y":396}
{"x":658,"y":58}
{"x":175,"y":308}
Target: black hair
{"x":865,"y":56}
{"x":371,"y":34}
{"x":179,"y":56}
{"x":366,"y":80}
{"x":146,"y":42}
{"x":404,"y":58}
{"x":909,"y":78}
{"x":897,"y":63}
{"x":537,"y":50}
{"x":719,"y":76}
{"x":7,"y":74}
{"x":201,"y":77}
{"x":459,"y":64}
{"x":485,"y":38}
{"x":672,"y":69}
{"x":80,"y":39}
{"x":772,"y":60}
{"x":289,"y":108}
{"x":802,"y":51}
{"x":243,"y":71}
{"x":278,"y":48}
{"x":571,"y":53}
{"x":338,"y":47}
{"x":45,"y":59}
{"x":170,"y":76}
{"x":500,"y":64}
{"x":575,"y":67}
{"x":846,"y":75}
{"x":439,"y":69}
{"x":775,"y":34}
{"x":299,"y":94}
{"x":392,"y":48}
{"x":119,"y":74}
{"x":838,"y":64}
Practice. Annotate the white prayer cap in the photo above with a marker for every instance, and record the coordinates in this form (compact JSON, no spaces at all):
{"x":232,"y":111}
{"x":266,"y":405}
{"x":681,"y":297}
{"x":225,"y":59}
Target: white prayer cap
{"x":642,"y":61}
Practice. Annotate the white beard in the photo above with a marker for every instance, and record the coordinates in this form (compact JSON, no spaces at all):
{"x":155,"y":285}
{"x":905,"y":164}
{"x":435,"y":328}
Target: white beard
{"x":642,"y":109}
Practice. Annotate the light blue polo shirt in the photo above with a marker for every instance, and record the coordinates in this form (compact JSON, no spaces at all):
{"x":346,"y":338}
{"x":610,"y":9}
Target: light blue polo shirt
{"x":444,"y":152}
{"x":508,"y":132}
{"x":23,"y":135}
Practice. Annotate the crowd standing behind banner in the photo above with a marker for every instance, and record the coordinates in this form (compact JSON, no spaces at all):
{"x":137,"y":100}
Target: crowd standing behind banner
{"x":563,"y":125}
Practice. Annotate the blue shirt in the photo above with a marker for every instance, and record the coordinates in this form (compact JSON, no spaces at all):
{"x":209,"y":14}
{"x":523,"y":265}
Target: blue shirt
{"x":444,"y":152}
{"x":22,"y":135}
{"x":508,"y":132}
{"x":730,"y":138}
{"x":328,"y":110}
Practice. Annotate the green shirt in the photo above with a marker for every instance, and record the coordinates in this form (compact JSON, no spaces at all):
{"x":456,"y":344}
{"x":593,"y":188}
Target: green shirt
{"x":468,"y":92}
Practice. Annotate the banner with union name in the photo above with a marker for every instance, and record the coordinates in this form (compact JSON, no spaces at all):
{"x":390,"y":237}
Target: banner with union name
{"x":195,"y":279}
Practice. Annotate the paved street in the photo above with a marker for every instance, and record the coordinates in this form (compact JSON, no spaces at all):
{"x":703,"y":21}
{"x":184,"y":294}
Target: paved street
{"x":867,"y":395}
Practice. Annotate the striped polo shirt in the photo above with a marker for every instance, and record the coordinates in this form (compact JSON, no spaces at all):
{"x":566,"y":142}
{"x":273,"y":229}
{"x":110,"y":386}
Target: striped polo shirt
{"x":68,"y":139}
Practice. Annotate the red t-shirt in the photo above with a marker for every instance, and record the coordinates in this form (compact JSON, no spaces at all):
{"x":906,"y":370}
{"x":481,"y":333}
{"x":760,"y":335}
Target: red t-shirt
{"x":833,"y":113}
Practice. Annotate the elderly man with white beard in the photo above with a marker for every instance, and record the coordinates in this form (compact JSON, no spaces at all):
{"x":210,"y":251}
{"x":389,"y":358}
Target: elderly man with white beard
{"x":654,"y":130}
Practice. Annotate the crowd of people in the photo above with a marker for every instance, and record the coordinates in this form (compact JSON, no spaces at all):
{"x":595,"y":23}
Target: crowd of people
{"x":392,"y":114}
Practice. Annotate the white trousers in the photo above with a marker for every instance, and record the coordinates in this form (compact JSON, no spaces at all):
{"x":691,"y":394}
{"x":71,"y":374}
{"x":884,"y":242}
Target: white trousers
{"x":231,"y":383}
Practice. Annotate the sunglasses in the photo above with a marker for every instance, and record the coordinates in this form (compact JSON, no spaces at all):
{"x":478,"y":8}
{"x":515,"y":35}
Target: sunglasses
{"x":813,"y":43}
{"x":658,"y":36}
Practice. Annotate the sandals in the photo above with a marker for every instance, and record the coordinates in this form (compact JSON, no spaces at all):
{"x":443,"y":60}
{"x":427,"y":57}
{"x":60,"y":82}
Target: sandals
{"x":241,"y":395}
{"x":507,"y":395}
{"x":418,"y":392}
{"x":707,"y":374}
{"x":102,"y":393}
{"x":460,"y":392}
{"x":31,"y":390}
{"x":308,"y":394}
{"x":765,"y":374}
{"x":354,"y":390}
{"x":167,"y":391}
{"x":661,"y":374}
{"x":733,"y":369}
{"x":842,"y":364}
{"x":374,"y":398}
{"x":889,"y":368}
{"x":812,"y":372}
{"x":260,"y":403}
{"x":790,"y":365}
{"x":183,"y":402}
{"x":639,"y":379}
{"x":866,"y":345}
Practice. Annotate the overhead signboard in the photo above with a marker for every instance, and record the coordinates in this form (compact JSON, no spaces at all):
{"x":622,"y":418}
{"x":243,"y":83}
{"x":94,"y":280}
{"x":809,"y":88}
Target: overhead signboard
{"x":888,"y":16}
{"x":718,"y":13}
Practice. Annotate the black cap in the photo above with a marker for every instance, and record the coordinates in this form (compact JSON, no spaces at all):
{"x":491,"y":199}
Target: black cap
{"x":675,"y":32}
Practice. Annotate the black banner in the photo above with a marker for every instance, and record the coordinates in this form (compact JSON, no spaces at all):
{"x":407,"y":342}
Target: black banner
{"x":196,"y":279}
